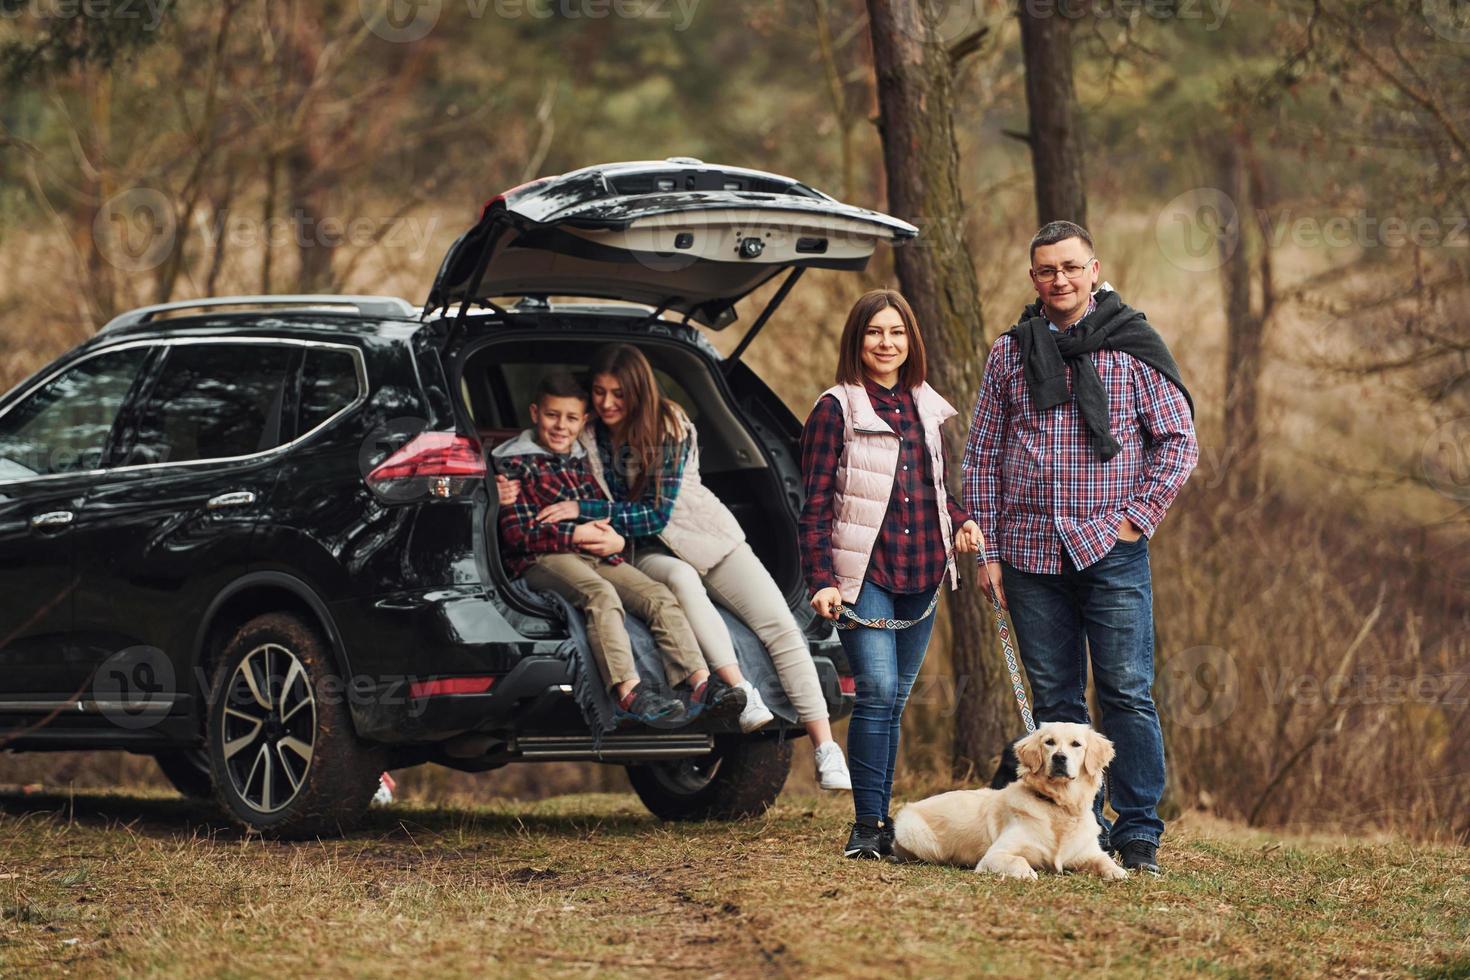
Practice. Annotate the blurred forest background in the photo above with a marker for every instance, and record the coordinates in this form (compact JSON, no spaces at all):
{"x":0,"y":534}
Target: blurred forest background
{"x":1280,"y":185}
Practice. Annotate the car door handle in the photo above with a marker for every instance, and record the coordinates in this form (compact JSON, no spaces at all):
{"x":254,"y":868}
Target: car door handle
{"x":238,"y":498}
{"x":53,"y":518}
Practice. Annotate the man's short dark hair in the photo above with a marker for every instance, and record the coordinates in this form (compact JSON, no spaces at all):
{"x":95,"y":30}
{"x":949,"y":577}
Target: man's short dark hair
{"x":560,"y":384}
{"x":1059,"y":231}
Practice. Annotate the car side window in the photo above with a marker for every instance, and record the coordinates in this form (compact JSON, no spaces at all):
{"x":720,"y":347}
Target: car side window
{"x":328,"y":385}
{"x":63,"y":426}
{"x":213,"y":401}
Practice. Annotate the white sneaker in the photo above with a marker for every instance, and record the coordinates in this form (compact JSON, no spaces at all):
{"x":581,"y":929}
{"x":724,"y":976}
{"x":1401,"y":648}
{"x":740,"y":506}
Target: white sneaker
{"x":832,"y":767}
{"x":756,"y":713}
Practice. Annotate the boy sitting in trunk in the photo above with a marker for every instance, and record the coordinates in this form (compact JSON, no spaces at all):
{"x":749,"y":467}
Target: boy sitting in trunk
{"x":581,"y":563}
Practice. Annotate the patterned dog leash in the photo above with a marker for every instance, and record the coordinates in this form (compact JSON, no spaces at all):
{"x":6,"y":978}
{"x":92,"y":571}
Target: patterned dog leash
{"x":848,"y":620}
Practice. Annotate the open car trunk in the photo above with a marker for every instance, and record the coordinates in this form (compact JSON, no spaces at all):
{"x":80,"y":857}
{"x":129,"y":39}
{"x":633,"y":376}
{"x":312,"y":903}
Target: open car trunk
{"x":499,"y":377}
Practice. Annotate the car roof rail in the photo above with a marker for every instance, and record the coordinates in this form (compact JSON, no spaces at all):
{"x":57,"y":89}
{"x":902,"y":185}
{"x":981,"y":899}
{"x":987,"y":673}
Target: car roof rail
{"x":386,"y":306}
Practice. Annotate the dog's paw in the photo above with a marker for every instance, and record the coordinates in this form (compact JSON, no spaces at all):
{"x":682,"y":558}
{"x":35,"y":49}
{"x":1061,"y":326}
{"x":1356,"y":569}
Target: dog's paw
{"x":1115,"y":873}
{"x":1028,"y":874}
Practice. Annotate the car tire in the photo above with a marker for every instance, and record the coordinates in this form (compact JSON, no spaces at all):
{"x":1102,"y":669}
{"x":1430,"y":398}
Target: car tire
{"x":187,"y":770}
{"x":286,"y":761}
{"x":741,"y":778}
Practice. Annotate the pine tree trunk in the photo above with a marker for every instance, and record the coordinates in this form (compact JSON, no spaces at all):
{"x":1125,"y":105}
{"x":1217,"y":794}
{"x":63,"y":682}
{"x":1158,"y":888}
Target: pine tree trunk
{"x":1056,"y":143}
{"x":937,"y":276}
{"x":1244,"y":324}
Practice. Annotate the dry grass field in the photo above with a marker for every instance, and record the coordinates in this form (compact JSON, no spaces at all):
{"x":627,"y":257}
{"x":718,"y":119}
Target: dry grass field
{"x":104,"y":884}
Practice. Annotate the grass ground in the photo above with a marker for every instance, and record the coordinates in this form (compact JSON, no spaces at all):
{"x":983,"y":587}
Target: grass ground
{"x":591,"y":885}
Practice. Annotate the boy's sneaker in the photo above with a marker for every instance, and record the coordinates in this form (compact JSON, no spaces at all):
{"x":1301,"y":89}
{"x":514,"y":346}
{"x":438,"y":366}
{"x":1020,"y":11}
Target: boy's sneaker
{"x":384,"y":795}
{"x":1140,"y":855}
{"x":714,"y":699}
{"x":832,"y":771}
{"x":864,"y":842}
{"x":756,"y":714}
{"x":651,"y":707}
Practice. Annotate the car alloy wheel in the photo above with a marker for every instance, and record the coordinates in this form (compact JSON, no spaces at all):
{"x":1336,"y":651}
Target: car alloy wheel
{"x":268,"y":727}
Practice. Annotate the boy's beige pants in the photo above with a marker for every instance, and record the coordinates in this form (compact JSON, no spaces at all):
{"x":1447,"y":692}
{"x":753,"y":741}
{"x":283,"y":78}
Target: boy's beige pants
{"x":602,"y":592}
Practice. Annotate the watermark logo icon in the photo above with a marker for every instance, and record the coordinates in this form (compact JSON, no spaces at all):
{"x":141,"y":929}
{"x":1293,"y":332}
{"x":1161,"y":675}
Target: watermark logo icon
{"x":136,"y":229}
{"x":134,"y":688}
{"x":1201,"y":687}
{"x":1446,"y":459}
{"x":1198,"y":230}
{"x":400,"y":21}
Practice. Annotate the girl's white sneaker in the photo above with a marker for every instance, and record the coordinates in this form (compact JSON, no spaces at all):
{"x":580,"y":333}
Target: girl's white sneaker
{"x":756,"y":713}
{"x":832,"y":767}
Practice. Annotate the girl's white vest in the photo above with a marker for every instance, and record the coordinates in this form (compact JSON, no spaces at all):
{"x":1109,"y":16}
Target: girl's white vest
{"x":865,"y":472}
{"x":701,"y":529}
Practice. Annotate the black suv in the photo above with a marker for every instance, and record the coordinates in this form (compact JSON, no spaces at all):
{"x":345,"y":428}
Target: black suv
{"x":255,"y":538}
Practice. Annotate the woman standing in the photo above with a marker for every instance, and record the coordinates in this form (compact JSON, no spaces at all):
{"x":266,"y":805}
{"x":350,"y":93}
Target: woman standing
{"x":643,"y":450}
{"x":877,"y":533}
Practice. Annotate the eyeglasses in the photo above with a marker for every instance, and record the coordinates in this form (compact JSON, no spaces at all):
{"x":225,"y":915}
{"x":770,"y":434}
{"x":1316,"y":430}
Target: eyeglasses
{"x":1071,"y":270}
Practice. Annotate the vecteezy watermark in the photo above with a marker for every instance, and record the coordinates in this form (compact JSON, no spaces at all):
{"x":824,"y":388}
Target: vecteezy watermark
{"x":1200,"y":687}
{"x":1446,"y":459}
{"x":406,"y":21}
{"x":1363,"y":687}
{"x":1450,"y":19}
{"x":137,"y":688}
{"x":1211,"y":13}
{"x":942,"y":22}
{"x":1198,"y":230}
{"x":1363,"y":230}
{"x":135,"y":230}
{"x":134,"y":688}
{"x":151,"y":12}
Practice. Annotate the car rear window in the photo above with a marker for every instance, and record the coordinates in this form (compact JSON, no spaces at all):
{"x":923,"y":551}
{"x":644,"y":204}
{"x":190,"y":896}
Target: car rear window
{"x":328,"y":385}
{"x":213,"y":401}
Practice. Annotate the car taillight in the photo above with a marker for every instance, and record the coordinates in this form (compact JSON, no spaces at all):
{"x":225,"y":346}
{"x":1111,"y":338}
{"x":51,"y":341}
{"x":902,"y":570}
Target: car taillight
{"x":450,"y":685}
{"x":431,"y":464}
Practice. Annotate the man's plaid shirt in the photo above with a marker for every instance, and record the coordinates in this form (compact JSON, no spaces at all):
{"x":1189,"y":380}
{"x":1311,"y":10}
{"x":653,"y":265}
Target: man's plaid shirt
{"x":1033,"y":480}
{"x":546,"y":478}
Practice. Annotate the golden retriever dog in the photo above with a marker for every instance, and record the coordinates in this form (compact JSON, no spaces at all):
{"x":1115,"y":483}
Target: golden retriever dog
{"x":1043,"y":821}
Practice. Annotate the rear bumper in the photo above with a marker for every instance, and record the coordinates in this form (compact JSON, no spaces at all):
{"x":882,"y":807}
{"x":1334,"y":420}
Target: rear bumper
{"x":534,"y":696}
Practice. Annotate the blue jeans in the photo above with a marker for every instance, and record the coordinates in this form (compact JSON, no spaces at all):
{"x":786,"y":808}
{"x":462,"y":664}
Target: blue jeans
{"x":884,"y":664}
{"x":1106,"y":607}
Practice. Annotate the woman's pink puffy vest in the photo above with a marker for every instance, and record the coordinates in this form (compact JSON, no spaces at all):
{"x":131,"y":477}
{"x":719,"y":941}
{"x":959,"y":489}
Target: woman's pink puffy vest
{"x":865,"y":480}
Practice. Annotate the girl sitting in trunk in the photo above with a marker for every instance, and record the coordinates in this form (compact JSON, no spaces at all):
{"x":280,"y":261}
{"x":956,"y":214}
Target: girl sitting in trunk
{"x":643,"y":451}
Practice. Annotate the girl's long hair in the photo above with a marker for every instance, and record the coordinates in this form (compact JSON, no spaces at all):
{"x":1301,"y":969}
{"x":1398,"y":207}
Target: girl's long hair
{"x":914,"y":369}
{"x":651,"y":422}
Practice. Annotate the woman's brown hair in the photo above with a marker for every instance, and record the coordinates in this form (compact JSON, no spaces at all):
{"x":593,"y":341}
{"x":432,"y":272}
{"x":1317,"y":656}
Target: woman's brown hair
{"x":914,"y":369}
{"x":651,"y":422}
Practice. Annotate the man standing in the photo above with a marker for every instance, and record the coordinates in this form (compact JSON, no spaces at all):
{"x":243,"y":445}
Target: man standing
{"x":1083,"y":434}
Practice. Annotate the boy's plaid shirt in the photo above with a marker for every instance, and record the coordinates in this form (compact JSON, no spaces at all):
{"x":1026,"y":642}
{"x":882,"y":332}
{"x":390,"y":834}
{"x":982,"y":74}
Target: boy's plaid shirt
{"x":1033,"y":481}
{"x":546,"y":478}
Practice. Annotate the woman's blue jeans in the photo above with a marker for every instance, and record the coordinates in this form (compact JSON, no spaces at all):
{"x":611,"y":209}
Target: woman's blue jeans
{"x":884,"y":664}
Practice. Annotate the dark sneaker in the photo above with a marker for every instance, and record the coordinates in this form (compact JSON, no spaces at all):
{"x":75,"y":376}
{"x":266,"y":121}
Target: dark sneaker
{"x":1140,"y":855}
{"x":865,"y":842}
{"x":885,"y":838}
{"x":714,"y":699}
{"x":652,"y":708}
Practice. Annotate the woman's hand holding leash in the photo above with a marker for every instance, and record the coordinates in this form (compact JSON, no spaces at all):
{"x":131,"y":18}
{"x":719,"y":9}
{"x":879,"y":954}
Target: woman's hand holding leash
{"x":827,"y":601}
{"x":968,"y":540}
